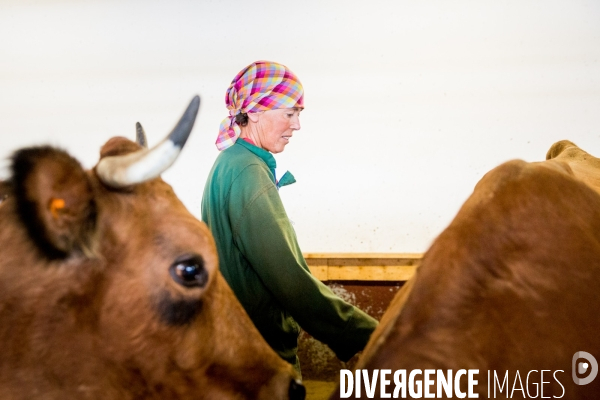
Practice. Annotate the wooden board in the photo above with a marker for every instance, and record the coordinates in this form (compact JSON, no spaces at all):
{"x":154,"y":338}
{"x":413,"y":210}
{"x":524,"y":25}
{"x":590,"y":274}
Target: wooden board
{"x":363,"y":266}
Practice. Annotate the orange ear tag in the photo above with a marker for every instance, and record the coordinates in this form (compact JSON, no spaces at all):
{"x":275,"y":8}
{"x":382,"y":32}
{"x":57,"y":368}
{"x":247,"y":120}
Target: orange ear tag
{"x":56,"y":205}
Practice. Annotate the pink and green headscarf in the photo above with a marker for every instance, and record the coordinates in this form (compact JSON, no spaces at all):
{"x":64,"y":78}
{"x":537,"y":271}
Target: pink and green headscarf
{"x":261,"y":86}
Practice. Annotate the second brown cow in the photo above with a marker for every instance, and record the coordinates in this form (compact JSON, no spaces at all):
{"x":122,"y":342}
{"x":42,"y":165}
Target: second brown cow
{"x":509,"y":289}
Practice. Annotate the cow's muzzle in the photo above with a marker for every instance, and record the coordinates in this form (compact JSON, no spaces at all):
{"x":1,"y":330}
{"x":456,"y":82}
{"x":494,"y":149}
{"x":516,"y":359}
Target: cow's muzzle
{"x":297,"y":390}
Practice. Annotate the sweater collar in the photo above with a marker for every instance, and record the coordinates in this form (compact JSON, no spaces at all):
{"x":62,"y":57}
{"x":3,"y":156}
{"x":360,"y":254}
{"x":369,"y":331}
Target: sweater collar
{"x":286,"y":179}
{"x":264,"y":155}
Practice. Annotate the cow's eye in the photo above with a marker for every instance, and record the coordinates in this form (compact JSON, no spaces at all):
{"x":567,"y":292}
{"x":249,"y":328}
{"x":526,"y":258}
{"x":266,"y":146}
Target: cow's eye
{"x":189,"y":271}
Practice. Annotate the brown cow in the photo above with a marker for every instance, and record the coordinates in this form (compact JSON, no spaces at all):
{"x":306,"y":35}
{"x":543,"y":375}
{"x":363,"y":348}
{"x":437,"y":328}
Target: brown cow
{"x":511,"y":286}
{"x":110,"y":288}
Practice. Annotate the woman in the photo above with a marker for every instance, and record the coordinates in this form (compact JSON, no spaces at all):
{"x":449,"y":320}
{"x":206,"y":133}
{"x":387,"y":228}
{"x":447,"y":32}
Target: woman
{"x":258,"y":250}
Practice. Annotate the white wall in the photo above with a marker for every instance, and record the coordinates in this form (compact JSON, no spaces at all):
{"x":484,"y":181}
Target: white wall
{"x":408,"y":103}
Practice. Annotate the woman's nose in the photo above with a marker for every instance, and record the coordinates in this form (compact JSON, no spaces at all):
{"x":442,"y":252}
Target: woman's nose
{"x":295,"y":123}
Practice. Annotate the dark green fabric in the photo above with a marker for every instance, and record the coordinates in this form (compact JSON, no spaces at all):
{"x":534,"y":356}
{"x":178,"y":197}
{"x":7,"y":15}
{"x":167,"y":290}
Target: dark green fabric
{"x":262,"y":262}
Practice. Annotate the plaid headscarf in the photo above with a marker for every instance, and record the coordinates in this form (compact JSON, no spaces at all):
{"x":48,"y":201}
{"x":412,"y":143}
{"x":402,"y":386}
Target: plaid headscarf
{"x":261,"y":86}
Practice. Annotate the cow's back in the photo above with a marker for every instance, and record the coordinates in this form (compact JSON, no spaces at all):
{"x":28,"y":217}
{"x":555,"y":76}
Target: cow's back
{"x":510,"y":285}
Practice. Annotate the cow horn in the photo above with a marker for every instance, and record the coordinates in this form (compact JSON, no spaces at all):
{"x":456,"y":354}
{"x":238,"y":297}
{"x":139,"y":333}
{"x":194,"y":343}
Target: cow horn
{"x":140,"y":135}
{"x":145,"y":164}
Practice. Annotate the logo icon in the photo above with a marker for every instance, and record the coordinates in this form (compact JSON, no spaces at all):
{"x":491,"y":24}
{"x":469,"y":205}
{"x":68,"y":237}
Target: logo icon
{"x":582,"y":367}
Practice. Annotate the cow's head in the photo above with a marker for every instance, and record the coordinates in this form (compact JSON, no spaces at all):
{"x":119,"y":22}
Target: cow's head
{"x":110,"y":288}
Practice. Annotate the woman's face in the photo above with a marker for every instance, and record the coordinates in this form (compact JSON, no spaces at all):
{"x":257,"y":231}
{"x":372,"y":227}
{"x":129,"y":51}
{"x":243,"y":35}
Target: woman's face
{"x":276,"y":127}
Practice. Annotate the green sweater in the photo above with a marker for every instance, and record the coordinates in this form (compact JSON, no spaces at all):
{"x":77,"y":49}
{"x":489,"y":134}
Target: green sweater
{"x":260,"y":258}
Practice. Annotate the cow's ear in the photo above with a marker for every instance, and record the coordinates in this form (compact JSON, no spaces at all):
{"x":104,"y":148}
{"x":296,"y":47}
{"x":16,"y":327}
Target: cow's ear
{"x":54,"y":200}
{"x":5,"y":190}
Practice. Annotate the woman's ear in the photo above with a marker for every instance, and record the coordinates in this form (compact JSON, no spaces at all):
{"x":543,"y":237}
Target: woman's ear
{"x":255,"y":116}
